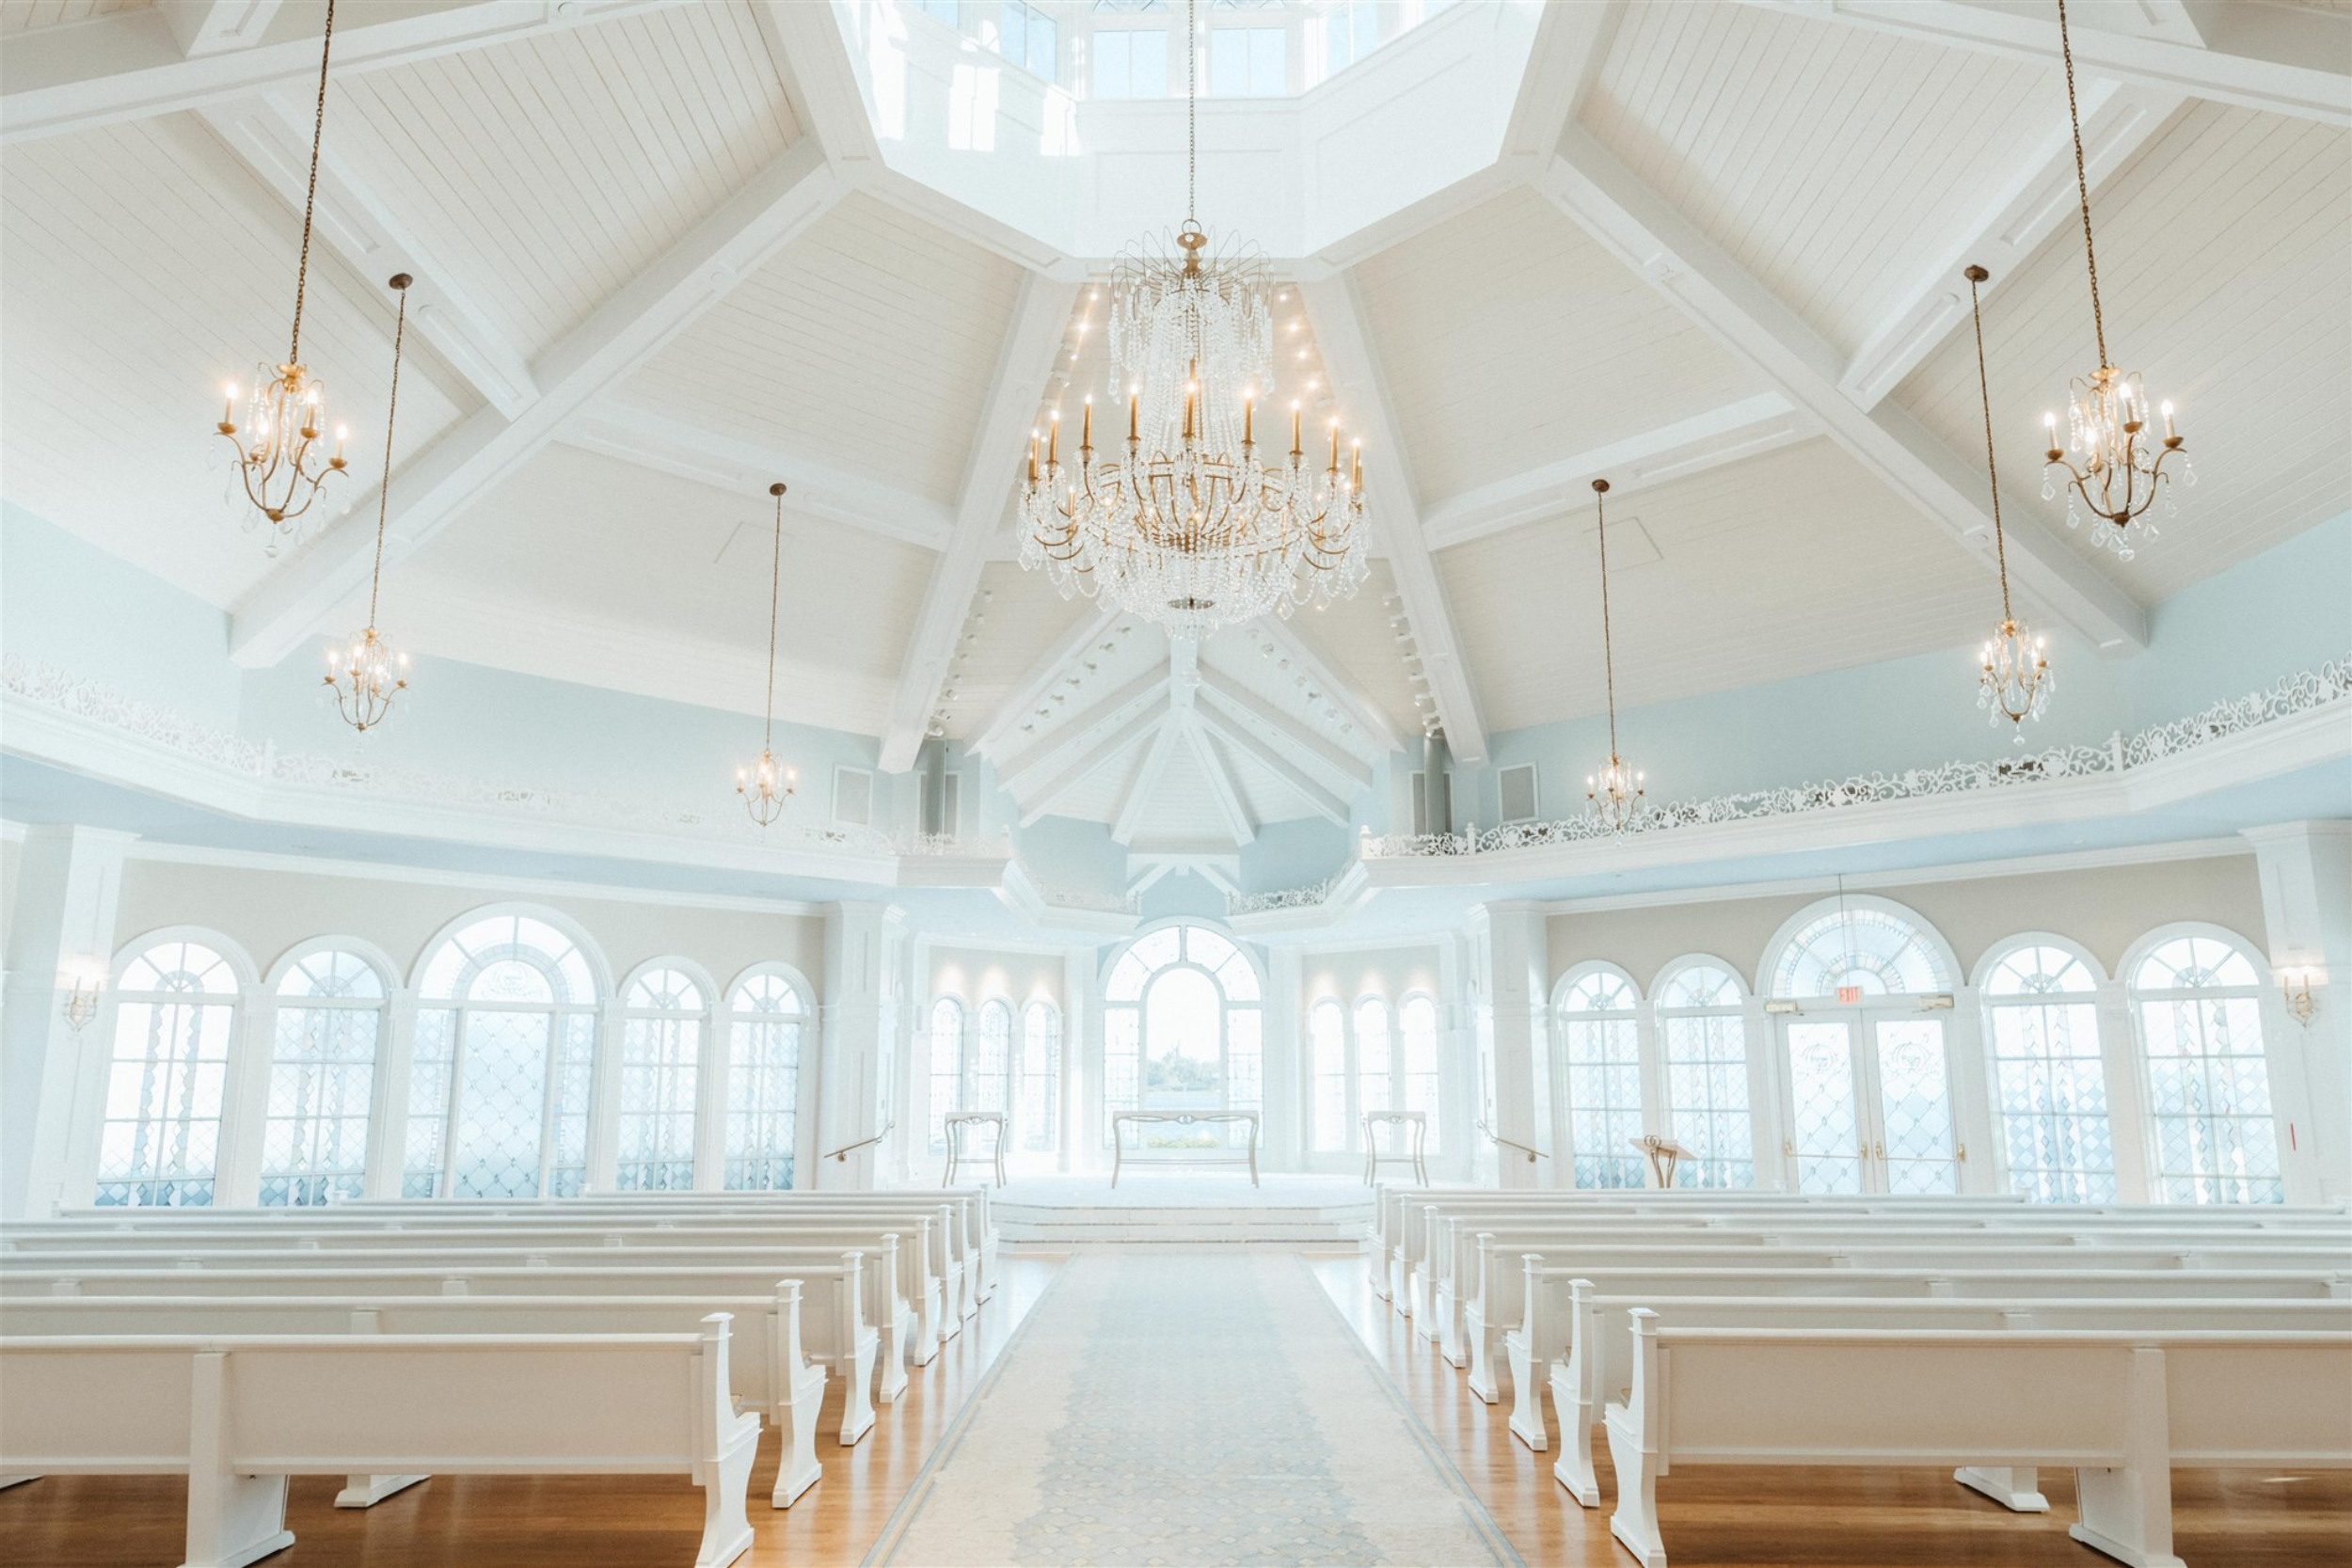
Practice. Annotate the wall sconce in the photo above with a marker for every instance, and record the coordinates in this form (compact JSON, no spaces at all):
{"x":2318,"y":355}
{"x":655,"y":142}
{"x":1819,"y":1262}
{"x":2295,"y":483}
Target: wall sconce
{"x":2295,"y":989}
{"x":81,"y":999}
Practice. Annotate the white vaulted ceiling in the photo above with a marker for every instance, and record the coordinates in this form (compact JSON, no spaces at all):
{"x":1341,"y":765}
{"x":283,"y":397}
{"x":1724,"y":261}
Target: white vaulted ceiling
{"x":669,"y":252}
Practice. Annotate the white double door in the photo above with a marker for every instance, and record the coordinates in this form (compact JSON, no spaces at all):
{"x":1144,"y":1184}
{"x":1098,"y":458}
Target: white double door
{"x":1869,"y":1103}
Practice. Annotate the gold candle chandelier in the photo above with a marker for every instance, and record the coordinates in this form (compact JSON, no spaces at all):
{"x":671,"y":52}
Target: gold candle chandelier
{"x":2118,"y":466}
{"x":368,"y":676}
{"x":1614,"y":794}
{"x":767,"y":784}
{"x":278,"y":456}
{"x":2013,"y":682}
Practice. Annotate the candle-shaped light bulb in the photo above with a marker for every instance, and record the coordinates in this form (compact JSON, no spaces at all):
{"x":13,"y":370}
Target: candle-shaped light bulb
{"x":1053,"y":438}
{"x":2168,"y":421}
{"x":229,"y":404}
{"x":343,"y":434}
{"x":1296,"y":448}
{"x":1033,"y":459}
{"x":1191,"y":388}
{"x":1133,"y":399}
{"x":1249,"y":417}
{"x":1357,"y":479}
{"x":1335,"y":446}
{"x":1085,"y":433}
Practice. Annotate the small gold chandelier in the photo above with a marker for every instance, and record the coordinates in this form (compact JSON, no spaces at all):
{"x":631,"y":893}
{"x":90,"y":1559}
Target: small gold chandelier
{"x":2121,"y":466}
{"x":279,"y":458}
{"x":767,"y":784}
{"x":1615,"y":794}
{"x":2015,"y":680}
{"x":368,"y":676}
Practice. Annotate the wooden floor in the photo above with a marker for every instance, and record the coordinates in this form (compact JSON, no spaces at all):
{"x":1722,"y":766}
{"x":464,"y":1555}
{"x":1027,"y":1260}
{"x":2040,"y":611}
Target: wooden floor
{"x":1722,"y":1518}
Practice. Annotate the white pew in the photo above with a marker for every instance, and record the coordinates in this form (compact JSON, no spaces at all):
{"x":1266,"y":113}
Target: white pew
{"x":1595,"y":1370}
{"x":1498,"y":1305}
{"x":767,"y":1361}
{"x":2121,"y":1408}
{"x":237,"y":1417}
{"x":940,"y":1282}
{"x":833,"y":1339}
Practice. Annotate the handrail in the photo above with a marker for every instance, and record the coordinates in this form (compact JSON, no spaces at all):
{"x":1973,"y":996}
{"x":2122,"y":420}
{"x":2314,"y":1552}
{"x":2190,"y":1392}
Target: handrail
{"x":844,"y":1152}
{"x":1495,"y":1137}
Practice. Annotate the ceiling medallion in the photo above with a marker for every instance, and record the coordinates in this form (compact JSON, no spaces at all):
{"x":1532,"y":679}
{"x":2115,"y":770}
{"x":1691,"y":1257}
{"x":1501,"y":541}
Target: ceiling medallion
{"x":368,"y":676}
{"x":2118,"y":464}
{"x":279,"y":458}
{"x":1190,"y":526}
{"x":1614,"y":794}
{"x":2014,"y":681}
{"x":767,"y":784}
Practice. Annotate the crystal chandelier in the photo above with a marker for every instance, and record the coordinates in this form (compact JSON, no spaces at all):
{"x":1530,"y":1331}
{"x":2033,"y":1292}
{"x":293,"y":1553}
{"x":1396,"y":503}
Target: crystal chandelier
{"x":2119,"y":465}
{"x":767,"y":784}
{"x":368,"y":676}
{"x":1190,"y":526}
{"x":279,"y":458}
{"x":1615,"y":794}
{"x":2014,"y":681}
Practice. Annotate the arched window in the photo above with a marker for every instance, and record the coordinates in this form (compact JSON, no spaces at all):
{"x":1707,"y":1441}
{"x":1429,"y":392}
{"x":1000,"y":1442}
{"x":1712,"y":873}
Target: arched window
{"x":321,"y":1075}
{"x":1418,"y":1022}
{"x":506,"y":1030}
{"x":2050,"y":1087}
{"x":988,"y":1081}
{"x":946,"y":1067}
{"x":661,"y":1036}
{"x":1326,"y":1037}
{"x":1376,"y":1057}
{"x":1040,"y":1076}
{"x":1601,"y":1047}
{"x":2200,"y":1005}
{"x":1182,"y":1028}
{"x":175,"y":1010}
{"x":1704,"y":1031}
{"x":764,"y":1019}
{"x":1867,"y":950}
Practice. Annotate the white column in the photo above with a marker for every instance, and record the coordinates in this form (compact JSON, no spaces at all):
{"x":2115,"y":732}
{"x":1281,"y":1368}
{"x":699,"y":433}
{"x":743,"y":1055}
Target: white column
{"x":2306,"y":871}
{"x":1285,"y":1061}
{"x":1462,"y":1154}
{"x":604,"y":1098}
{"x":388,"y":1106}
{"x":713,"y":1065}
{"x":2128,"y":1127}
{"x":1519,"y":964}
{"x":1768,"y":1124}
{"x":245,"y":1101}
{"x":62,"y":926}
{"x":863,"y":955}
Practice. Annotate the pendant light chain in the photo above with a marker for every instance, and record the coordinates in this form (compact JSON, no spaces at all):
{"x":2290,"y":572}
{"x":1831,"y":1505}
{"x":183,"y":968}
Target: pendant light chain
{"x":310,"y":197}
{"x":2082,"y":182}
{"x":775,"y":587}
{"x":1608,"y":650}
{"x":391,"y":416}
{"x":1192,"y":115}
{"x":1984,"y":394}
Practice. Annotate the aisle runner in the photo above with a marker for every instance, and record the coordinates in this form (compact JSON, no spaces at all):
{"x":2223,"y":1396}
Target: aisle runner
{"x":1205,"y":1408}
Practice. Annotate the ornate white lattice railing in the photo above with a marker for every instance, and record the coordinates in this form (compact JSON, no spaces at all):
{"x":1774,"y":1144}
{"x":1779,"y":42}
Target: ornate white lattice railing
{"x":1284,"y":899}
{"x":2296,"y":694}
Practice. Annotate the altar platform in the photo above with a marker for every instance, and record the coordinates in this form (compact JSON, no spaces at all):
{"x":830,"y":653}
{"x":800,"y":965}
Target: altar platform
{"x":1176,"y":1206}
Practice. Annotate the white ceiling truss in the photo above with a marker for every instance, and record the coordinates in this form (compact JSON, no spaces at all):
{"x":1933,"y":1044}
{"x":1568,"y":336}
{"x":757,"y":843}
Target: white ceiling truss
{"x":1240,"y":743}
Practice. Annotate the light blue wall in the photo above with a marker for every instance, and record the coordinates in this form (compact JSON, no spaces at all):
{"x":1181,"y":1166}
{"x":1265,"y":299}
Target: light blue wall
{"x":2287,"y":610}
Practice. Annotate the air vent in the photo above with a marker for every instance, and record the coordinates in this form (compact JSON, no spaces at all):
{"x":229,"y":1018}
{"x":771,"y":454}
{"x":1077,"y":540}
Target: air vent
{"x":1518,"y":793}
{"x":853,"y":796}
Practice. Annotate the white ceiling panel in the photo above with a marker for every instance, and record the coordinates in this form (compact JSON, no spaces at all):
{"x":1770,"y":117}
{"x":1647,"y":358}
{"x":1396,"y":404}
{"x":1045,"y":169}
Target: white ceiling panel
{"x":1780,"y":565}
{"x":548,"y":171}
{"x":868,"y":345}
{"x":1509,"y":339}
{"x":141,"y":268}
{"x":26,"y":16}
{"x":1831,"y":162}
{"x":585,"y":568}
{"x":1015,"y":620}
{"x":2225,"y":265}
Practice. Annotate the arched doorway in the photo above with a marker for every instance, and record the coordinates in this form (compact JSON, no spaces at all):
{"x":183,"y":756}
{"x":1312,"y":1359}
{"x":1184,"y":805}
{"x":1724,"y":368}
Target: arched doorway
{"x":1183,"y":1026}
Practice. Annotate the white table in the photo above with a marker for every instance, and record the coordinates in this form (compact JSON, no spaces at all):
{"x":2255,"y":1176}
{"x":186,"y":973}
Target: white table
{"x":1185,"y":1119}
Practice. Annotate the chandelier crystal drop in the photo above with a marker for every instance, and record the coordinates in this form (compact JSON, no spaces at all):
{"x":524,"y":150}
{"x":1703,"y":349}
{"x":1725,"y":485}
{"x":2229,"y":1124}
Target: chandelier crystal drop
{"x":2014,"y":677}
{"x":366,"y":676}
{"x":280,"y":456}
{"x":1614,"y":794}
{"x":2118,"y":467}
{"x":767,"y":784}
{"x":1189,"y":524}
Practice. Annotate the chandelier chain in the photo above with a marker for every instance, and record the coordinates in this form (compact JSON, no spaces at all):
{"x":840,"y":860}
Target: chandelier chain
{"x":391,"y":416}
{"x":310,"y":196}
{"x":2082,"y":182}
{"x":1607,"y":650}
{"x":1192,"y":115}
{"x":1992,"y":469}
{"x":775,"y":587}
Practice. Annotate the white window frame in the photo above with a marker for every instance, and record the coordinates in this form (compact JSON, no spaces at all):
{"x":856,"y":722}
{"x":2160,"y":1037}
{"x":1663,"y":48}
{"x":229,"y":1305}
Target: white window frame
{"x":728,"y":1160}
{"x":2260,"y":996}
{"x":689,"y":1027}
{"x":1622,"y":1164}
{"x":2082,"y":1186}
{"x":1698,"y":1169}
{"x":229,"y":1126}
{"x":337,"y":1186}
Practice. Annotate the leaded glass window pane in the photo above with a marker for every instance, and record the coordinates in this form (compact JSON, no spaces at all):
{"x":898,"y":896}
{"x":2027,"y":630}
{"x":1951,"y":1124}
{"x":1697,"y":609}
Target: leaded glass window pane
{"x":1040,"y":1076}
{"x":159,"y":1138}
{"x":1375,"y":1082}
{"x":2208,"y":1075}
{"x":763,"y":1085}
{"x":946,"y":1076}
{"x":314,"y":1134}
{"x":1707,"y":1082}
{"x":1873,"y":951}
{"x":1418,"y":1024}
{"x":1327,"y":1041}
{"x":661,"y":1064}
{"x":501,"y":1104}
{"x":989,"y":1081}
{"x":2050,"y":1087}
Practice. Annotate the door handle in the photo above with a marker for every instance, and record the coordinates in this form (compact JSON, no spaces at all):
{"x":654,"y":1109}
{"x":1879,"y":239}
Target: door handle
{"x":1961,"y":1154}
{"x":1788,"y":1149}
{"x":1879,"y":1150}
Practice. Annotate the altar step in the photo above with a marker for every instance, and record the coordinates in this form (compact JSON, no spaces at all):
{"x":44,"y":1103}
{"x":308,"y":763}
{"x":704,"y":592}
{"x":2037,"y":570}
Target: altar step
{"x":1278,"y":1224}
